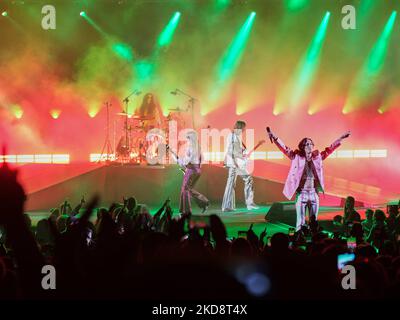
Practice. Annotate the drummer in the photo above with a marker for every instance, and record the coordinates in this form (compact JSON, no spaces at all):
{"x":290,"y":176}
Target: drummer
{"x":151,"y":112}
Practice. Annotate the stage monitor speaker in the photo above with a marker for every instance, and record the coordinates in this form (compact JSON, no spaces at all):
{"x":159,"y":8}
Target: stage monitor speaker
{"x":284,"y":212}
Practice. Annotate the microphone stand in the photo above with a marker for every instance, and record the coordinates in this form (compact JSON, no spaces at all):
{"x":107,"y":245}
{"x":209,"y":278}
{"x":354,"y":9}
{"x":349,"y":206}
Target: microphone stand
{"x":126,"y":101}
{"x":107,"y":144}
{"x":191,"y":102}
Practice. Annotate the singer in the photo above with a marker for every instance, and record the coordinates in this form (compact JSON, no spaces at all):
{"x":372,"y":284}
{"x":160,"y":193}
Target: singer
{"x":306,"y":176}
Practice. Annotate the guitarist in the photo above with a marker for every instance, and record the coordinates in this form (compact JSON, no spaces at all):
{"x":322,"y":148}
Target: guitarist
{"x":234,"y":159}
{"x":191,"y":164}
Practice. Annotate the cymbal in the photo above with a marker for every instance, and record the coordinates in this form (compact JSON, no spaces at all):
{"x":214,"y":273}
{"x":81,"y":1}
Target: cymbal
{"x":176,"y":110}
{"x":123,"y":114}
{"x":132,"y":116}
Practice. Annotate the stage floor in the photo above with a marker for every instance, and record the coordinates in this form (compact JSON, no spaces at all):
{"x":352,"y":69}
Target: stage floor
{"x":239,"y":220}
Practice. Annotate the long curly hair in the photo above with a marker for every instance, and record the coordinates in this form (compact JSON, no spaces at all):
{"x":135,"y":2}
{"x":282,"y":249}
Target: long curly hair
{"x":302,"y":145}
{"x":149,"y":108}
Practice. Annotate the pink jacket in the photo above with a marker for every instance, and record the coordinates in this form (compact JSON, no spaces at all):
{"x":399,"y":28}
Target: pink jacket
{"x":297,"y":166}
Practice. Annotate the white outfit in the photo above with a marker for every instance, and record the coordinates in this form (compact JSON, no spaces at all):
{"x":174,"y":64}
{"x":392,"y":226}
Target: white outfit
{"x":234,"y":160}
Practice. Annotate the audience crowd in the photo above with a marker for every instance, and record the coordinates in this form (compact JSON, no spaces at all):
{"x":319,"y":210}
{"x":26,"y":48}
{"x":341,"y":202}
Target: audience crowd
{"x":128,"y":253}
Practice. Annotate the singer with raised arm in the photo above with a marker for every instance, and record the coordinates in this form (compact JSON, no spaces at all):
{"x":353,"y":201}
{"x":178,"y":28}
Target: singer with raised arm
{"x":235,"y":161}
{"x":191,"y":165}
{"x":306,"y":175}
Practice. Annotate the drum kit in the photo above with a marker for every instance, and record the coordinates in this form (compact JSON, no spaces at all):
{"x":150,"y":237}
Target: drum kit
{"x":141,"y":136}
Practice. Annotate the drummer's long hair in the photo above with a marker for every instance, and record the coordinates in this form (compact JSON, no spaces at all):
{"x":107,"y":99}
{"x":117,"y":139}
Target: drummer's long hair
{"x":149,"y":108}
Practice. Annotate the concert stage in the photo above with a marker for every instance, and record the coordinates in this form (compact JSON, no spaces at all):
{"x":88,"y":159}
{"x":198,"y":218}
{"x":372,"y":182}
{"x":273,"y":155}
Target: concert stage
{"x":151,"y":185}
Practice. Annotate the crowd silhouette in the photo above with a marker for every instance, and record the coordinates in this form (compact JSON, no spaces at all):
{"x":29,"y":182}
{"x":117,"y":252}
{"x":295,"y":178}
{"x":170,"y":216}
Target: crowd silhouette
{"x":129,"y":253}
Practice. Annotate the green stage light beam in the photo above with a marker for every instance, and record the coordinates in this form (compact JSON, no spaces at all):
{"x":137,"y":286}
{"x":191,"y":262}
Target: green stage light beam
{"x":222,"y":4}
{"x":145,"y":68}
{"x":123,"y":50}
{"x":305,"y":75}
{"x":84,"y":15}
{"x":302,"y":79}
{"x":295,"y":5}
{"x":4,"y":13}
{"x":378,"y":53}
{"x":232,"y":56}
{"x":366,"y":79}
{"x":166,"y":36}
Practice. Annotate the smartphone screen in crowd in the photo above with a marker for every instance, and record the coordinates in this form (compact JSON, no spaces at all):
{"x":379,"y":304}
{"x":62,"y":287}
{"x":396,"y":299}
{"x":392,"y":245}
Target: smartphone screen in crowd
{"x":351,"y":243}
{"x":199,"y":221}
{"x":344,"y":259}
{"x":242,"y":234}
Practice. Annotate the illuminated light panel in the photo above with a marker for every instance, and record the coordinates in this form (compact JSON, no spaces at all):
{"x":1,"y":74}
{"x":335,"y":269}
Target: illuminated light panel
{"x":274,"y":155}
{"x":344,"y":154}
{"x":96,"y":157}
{"x":8,"y":158}
{"x":361,"y":153}
{"x":60,"y":158}
{"x":214,"y":156}
{"x":25,"y":158}
{"x":258,"y":155}
{"x":43,"y":158}
{"x":277,"y":155}
{"x":36,"y":158}
{"x":378,"y":153}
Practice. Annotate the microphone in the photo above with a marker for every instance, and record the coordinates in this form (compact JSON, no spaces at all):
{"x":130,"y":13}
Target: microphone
{"x":138,"y":92}
{"x":269,"y":134}
{"x":174,"y":92}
